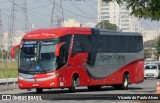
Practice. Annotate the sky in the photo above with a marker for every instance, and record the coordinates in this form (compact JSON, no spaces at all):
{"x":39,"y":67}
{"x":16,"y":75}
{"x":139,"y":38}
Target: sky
{"x":39,"y":13}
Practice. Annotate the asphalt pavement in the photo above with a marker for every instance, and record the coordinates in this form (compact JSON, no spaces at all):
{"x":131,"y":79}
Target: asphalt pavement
{"x":107,"y":94}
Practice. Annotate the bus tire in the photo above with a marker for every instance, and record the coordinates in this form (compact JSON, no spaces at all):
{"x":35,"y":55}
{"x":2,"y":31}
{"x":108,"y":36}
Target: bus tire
{"x":94,"y":88}
{"x":124,"y":84}
{"x":39,"y":90}
{"x":75,"y":83}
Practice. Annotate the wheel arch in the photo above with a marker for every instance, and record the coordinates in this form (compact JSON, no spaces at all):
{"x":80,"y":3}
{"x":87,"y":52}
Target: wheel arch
{"x":74,"y":75}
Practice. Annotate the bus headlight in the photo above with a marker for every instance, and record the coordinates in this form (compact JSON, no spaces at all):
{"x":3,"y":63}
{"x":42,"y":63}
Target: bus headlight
{"x":22,"y":76}
{"x":54,"y":76}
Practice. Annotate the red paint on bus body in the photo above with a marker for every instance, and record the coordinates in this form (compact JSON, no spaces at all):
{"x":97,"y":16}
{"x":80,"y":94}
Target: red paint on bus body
{"x":65,"y":74}
{"x":55,"y":33}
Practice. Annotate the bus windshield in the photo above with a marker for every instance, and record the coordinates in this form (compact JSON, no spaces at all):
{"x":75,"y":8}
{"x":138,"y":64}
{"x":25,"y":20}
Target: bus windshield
{"x":150,"y":67}
{"x":37,"y":56}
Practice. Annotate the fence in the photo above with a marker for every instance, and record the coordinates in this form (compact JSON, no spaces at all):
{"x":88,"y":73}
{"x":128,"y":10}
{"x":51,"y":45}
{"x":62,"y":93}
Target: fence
{"x":8,"y":84}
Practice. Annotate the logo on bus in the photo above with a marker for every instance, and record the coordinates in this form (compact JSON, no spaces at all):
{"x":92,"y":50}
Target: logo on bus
{"x":37,"y":67}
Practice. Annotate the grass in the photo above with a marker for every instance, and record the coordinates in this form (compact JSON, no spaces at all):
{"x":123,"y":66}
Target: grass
{"x":10,"y":70}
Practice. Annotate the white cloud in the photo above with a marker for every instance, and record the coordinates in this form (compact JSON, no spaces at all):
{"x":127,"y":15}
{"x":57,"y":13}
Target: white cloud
{"x":74,"y":23}
{"x":71,"y":23}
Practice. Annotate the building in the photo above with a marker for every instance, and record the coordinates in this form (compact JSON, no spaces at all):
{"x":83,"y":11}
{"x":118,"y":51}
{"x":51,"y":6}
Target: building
{"x":119,"y":15}
{"x":15,"y":40}
{"x":149,"y":35}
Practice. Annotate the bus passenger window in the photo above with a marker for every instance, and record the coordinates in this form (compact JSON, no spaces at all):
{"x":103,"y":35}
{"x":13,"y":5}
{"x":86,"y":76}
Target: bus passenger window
{"x":79,"y":44}
{"x":64,"y":50}
{"x":78,"y":47}
{"x":63,"y":56}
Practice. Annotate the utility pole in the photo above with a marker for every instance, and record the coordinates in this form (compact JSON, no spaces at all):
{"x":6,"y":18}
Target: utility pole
{"x":1,"y":32}
{"x":62,"y":15}
{"x":26,"y":16}
{"x":2,"y":61}
{"x":57,"y":17}
{"x":52,"y":22}
{"x":1,"y":39}
{"x":11,"y":25}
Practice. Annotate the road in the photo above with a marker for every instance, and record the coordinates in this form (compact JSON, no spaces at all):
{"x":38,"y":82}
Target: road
{"x":148,"y":87}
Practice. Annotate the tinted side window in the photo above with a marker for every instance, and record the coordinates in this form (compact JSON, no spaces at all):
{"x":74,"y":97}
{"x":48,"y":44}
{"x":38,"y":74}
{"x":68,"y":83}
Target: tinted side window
{"x":64,"y":50}
{"x":139,"y":43}
{"x":114,"y":44}
{"x":104,"y":43}
{"x":129,"y":44}
{"x":126,"y":44}
{"x":107,"y":44}
{"x":80,"y":44}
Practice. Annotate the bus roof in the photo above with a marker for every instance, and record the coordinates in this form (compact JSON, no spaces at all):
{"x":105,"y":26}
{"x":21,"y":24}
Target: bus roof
{"x":55,"y":32}
{"x":58,"y":32}
{"x":112,"y":32}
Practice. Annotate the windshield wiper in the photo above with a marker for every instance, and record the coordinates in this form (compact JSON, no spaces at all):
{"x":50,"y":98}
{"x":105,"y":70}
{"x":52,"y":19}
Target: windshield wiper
{"x":29,"y":67}
{"x":41,"y":66}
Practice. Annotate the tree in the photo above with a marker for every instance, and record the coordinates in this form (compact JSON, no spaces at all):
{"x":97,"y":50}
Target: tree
{"x":106,"y":25}
{"x":147,"y":53}
{"x":147,"y":9}
{"x":158,"y":46}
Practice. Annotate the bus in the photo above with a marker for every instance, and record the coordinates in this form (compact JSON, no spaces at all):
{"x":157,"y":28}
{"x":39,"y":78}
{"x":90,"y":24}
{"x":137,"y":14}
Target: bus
{"x":70,"y":57}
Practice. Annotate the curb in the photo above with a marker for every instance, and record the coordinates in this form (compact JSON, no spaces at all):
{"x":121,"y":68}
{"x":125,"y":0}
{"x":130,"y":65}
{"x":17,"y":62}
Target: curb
{"x":8,"y":84}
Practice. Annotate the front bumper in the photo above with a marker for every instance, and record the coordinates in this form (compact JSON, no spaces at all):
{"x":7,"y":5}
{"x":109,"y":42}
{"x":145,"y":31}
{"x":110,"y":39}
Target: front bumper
{"x":150,"y":75}
{"x":37,"y":83}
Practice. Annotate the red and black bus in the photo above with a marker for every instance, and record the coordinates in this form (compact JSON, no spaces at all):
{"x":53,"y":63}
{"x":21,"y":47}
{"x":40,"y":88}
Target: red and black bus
{"x":73,"y":57}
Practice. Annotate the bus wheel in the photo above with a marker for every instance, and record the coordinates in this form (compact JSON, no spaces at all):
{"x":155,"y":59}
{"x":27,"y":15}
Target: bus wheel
{"x":124,"y":85}
{"x":39,"y":90}
{"x":125,"y":81}
{"x":94,"y":88}
{"x":75,"y":83}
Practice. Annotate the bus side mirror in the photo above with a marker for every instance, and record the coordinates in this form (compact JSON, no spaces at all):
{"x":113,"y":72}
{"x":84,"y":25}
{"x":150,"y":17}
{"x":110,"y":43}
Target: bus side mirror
{"x":58,"y":47}
{"x":12,"y":52}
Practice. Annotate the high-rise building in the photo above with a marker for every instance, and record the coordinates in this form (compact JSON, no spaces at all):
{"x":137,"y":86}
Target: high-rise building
{"x":15,"y":40}
{"x":117,"y":14}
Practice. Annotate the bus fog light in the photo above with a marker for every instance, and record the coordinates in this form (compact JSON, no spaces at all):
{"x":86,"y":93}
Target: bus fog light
{"x":51,"y":84}
{"x":20,"y":85}
{"x":21,"y":78}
